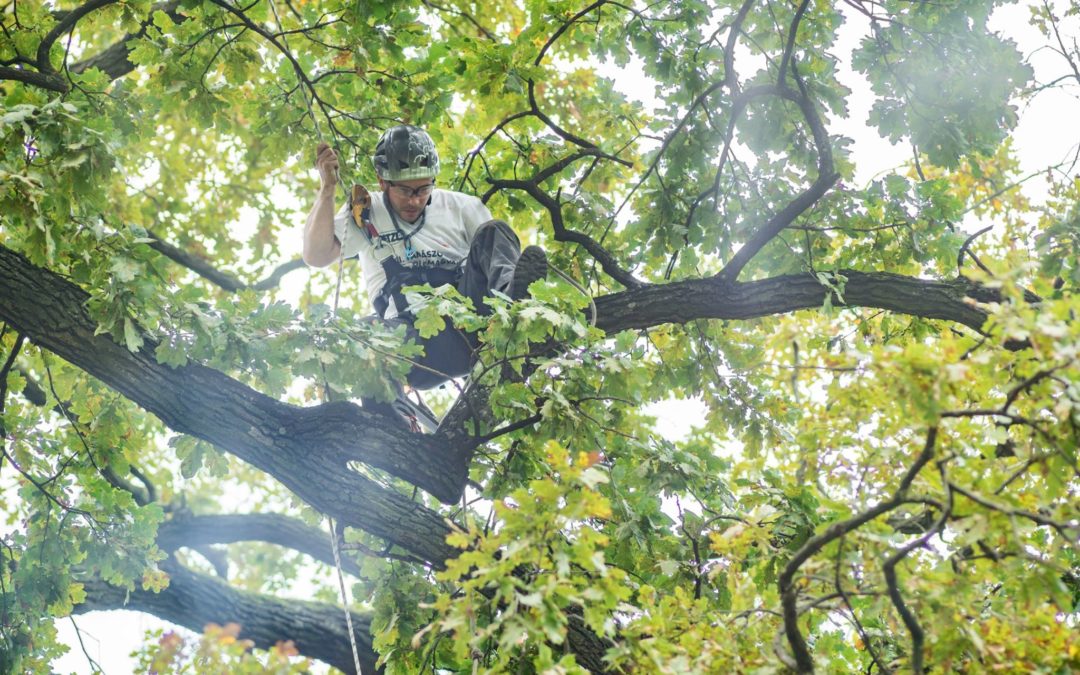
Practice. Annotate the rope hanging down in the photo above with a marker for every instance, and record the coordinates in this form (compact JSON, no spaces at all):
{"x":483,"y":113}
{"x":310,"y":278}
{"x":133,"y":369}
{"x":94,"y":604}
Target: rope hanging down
{"x":322,"y":138}
{"x":337,"y":294}
{"x":344,"y":595}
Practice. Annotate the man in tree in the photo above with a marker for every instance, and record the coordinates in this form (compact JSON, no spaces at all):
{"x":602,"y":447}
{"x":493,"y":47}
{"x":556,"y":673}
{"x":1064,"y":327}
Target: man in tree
{"x":417,"y":234}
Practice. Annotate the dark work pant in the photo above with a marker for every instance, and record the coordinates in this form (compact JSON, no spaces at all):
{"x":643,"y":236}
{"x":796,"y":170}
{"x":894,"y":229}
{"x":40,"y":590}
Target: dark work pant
{"x":490,"y":265}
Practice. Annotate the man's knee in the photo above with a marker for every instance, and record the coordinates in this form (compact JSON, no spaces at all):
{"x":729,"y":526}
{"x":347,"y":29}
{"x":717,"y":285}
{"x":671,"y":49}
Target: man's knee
{"x":494,"y":230}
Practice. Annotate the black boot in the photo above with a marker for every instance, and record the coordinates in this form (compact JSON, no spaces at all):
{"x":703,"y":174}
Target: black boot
{"x":532,"y":265}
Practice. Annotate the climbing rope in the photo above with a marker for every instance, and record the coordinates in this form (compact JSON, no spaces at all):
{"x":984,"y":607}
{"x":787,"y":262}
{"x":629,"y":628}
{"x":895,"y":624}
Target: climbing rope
{"x":337,"y":294}
{"x":344,"y":594}
{"x":336,"y":145}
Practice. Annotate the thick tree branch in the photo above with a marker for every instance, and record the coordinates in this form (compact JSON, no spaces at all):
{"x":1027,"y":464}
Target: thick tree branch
{"x":306,"y":449}
{"x":714,"y":298}
{"x":49,"y":81}
{"x":194,"y":600}
{"x":194,"y":531}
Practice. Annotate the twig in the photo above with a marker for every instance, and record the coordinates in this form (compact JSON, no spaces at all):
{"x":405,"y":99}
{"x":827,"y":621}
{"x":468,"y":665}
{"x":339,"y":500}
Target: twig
{"x":854,"y":617}
{"x":789,"y":48}
{"x":964,"y":249}
{"x":509,"y":428}
{"x":94,"y":666}
{"x":217,"y":277}
{"x":891,"y":582}
{"x":1061,"y":528}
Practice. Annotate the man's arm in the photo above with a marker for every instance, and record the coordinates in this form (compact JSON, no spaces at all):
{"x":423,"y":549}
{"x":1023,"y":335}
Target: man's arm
{"x":321,"y":247}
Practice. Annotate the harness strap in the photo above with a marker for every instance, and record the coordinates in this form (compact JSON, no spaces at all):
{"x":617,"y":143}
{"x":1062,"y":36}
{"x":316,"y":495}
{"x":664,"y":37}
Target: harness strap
{"x":398,"y":276}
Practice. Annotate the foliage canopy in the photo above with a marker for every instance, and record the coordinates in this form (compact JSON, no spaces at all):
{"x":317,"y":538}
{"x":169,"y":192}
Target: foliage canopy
{"x":886,"y":475}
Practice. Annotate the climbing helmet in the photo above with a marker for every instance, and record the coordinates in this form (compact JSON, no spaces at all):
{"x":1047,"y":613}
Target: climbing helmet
{"x":405,"y":152}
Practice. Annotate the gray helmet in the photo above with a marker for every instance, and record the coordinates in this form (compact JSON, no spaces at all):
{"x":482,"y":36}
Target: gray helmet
{"x":405,"y":152}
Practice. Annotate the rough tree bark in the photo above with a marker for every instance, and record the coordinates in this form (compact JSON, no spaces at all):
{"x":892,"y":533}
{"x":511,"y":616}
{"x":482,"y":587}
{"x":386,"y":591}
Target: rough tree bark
{"x":308,"y":448}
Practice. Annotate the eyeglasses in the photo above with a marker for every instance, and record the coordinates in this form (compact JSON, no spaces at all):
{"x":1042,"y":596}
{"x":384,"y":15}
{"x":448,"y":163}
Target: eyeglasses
{"x":406,"y":192}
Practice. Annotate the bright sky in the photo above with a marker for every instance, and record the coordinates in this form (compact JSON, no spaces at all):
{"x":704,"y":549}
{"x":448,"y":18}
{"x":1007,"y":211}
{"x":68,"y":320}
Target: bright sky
{"x":110,"y":637}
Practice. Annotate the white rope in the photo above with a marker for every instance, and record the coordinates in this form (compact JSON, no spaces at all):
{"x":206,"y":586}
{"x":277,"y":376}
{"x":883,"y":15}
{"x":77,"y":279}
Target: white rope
{"x":337,"y":292}
{"x":340,"y":269}
{"x":344,"y":595}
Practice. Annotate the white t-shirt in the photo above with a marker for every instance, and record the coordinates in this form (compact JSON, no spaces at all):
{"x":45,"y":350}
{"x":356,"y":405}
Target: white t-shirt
{"x":450,"y":223}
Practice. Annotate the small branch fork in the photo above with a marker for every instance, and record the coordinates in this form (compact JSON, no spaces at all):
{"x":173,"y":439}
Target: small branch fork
{"x":42,"y":486}
{"x":826,"y":177}
{"x":893,"y":584}
{"x":554,"y":208}
{"x":36,"y":395}
{"x":803,"y":661}
{"x":45,"y":74}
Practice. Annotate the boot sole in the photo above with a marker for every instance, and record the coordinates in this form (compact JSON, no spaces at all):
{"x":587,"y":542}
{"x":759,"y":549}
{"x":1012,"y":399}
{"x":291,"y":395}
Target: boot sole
{"x":532,"y":265}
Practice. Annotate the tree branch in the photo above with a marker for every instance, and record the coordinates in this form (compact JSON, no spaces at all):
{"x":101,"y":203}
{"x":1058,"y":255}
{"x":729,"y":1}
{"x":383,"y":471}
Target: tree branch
{"x":49,"y":81}
{"x":788,"y":591}
{"x":826,"y":177}
{"x":194,"y":600}
{"x":308,"y":449}
{"x":911,"y":622}
{"x":789,"y":47}
{"x":713,"y":298}
{"x":113,"y":60}
{"x":606,"y":260}
{"x":216,"y":276}
{"x":65,"y":24}
{"x":194,"y":531}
